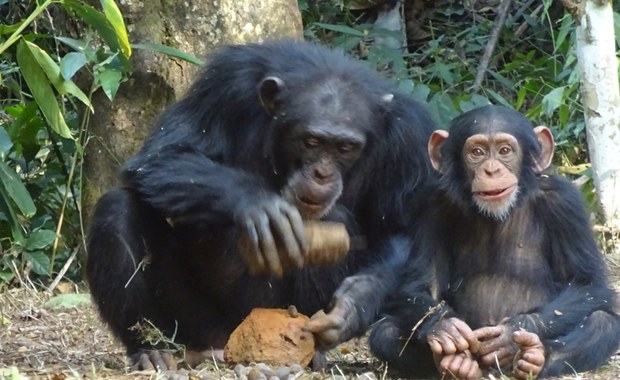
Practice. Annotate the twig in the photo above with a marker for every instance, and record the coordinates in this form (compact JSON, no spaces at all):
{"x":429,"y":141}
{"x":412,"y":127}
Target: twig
{"x":523,"y":27}
{"x":63,"y":270}
{"x":430,"y":312}
{"x":502,"y":13}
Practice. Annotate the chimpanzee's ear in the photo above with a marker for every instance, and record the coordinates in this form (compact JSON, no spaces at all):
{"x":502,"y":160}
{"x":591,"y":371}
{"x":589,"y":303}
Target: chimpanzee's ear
{"x":269,"y":93}
{"x":547,"y":146}
{"x":434,"y":147}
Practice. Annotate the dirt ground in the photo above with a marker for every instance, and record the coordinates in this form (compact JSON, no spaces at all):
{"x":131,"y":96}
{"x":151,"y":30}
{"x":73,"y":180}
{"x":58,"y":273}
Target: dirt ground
{"x":40,"y":342}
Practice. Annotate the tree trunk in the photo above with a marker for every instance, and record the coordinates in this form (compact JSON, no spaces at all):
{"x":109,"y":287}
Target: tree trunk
{"x":596,"y":55}
{"x":118,"y":129}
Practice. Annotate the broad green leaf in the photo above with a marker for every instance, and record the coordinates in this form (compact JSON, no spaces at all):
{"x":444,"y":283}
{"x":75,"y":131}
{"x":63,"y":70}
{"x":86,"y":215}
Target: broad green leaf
{"x":420,"y":92}
{"x":40,"y":239}
{"x":11,"y":217}
{"x":16,"y":190}
{"x":52,"y":71}
{"x":173,"y":52}
{"x":71,"y":63}
{"x":5,"y":143}
{"x":40,"y":262}
{"x":110,"y":80}
{"x":41,"y":90}
{"x":77,"y":45}
{"x":6,"y":276}
{"x":553,"y":100}
{"x":341,"y":28}
{"x":115,"y":17}
{"x":65,"y":301}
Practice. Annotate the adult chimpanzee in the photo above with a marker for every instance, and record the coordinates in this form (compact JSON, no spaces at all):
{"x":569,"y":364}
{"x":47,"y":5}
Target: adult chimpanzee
{"x":505,"y":272}
{"x":269,"y":135}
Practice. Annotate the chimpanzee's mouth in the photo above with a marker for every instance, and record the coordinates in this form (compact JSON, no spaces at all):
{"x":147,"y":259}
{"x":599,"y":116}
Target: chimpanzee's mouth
{"x":495,"y":194}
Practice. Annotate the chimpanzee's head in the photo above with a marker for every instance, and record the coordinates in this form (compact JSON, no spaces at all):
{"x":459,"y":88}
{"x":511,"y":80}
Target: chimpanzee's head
{"x":491,"y":158}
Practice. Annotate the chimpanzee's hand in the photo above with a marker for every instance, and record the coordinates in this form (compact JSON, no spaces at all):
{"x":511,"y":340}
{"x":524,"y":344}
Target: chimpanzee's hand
{"x":272,"y":236}
{"x":450,"y":336}
{"x":461,"y":366}
{"x":529,"y":361}
{"x":496,"y":345}
{"x":331,"y":329}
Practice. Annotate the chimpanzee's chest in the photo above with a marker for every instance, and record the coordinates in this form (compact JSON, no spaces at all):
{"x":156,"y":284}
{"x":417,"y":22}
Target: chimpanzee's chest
{"x":497,"y":274}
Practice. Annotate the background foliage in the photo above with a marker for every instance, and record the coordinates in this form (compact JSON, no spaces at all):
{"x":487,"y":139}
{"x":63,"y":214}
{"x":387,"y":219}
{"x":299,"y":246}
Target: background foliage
{"x":48,"y":75}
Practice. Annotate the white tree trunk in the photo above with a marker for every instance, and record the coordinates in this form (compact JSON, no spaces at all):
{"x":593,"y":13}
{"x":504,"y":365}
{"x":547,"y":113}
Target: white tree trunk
{"x":601,"y":102}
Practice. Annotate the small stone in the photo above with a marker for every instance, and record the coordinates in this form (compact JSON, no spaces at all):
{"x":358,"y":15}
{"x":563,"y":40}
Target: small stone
{"x":296,"y":368}
{"x":265,"y":369}
{"x":274,"y":378}
{"x":256,"y":374}
{"x":282,"y":373}
{"x":367,"y":376}
{"x":240,"y":370}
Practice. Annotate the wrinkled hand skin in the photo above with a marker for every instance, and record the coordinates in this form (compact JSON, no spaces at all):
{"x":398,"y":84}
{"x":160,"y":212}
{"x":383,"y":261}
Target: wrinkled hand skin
{"x":272,"y":239}
{"x":496,"y":346}
{"x":462,"y":366}
{"x":153,"y":360}
{"x":530,"y":359}
{"x":332,"y":328}
{"x":463,"y":354}
{"x":451,"y":336}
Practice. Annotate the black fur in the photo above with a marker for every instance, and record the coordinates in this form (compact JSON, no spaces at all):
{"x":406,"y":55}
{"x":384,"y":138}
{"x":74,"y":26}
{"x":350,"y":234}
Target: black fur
{"x":539,"y":268}
{"x":211,"y":155}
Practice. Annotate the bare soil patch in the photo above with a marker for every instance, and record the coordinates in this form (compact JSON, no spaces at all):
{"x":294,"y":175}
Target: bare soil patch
{"x":72,"y":343}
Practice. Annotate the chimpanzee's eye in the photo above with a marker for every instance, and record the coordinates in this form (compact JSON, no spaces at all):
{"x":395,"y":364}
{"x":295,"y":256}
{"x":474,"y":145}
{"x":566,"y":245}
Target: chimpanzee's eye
{"x":477,"y":152}
{"x":505,"y":150}
{"x":346,"y":147}
{"x":311,"y":142}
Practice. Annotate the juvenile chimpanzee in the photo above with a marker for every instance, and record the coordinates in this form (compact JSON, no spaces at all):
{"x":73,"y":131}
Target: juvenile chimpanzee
{"x":504,"y":273}
{"x":269,"y":136}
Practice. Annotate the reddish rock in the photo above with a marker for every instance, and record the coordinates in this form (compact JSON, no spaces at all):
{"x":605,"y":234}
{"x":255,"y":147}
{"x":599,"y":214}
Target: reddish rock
{"x":271,"y":336}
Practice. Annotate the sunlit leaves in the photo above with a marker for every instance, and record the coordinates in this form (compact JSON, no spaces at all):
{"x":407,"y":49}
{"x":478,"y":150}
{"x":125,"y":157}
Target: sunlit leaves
{"x":40,"y":88}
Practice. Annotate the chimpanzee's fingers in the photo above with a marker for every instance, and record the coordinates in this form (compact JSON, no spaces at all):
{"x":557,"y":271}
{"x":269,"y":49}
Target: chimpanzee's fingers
{"x":252,"y":252}
{"x":467,"y":340}
{"x":268,"y":245}
{"x":323,"y":322}
{"x":298,"y":227}
{"x":142,"y":362}
{"x":524,"y":370}
{"x":447,"y":346}
{"x":284,"y":231}
{"x":497,"y":359}
{"x":485,"y":333}
{"x":169,"y":360}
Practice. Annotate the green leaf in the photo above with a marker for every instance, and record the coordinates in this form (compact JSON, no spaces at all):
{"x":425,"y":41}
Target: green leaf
{"x":16,"y":190}
{"x":170,"y":51}
{"x":41,"y":89}
{"x":77,"y":45}
{"x":52,"y":71}
{"x":5,"y":143}
{"x":65,"y":301}
{"x":40,"y":239}
{"x":11,"y":217}
{"x":40,"y":262}
{"x":110,"y":80}
{"x":341,"y":28}
{"x":71,"y":63}
{"x":115,"y":17}
{"x":553,"y":100}
{"x":100,"y":23}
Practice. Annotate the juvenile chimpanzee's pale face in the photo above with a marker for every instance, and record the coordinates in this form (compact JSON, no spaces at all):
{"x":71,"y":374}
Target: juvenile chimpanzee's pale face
{"x":493,"y":163}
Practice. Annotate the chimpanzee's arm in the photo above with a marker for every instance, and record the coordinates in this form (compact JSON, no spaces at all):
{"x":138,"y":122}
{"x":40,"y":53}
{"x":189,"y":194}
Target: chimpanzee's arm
{"x":183,"y":184}
{"x":579,"y":269}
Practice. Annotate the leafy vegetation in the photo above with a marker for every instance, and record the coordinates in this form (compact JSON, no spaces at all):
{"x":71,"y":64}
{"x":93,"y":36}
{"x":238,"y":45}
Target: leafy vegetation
{"x":533,"y":67}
